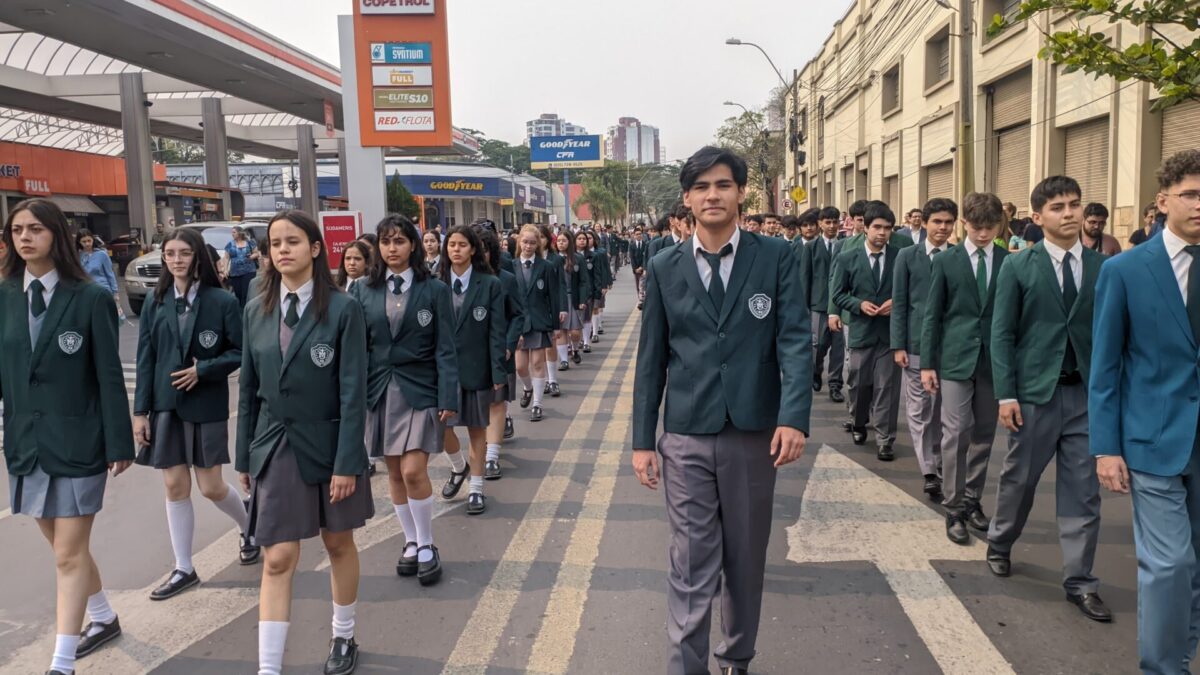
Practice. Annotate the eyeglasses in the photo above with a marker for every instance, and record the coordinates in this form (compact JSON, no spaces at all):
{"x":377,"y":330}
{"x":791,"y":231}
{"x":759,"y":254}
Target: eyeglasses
{"x":1191,"y":197}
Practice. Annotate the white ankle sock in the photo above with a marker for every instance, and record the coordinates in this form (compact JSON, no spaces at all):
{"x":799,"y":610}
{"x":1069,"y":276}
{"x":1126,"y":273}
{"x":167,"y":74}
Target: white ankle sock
{"x":493,"y":452}
{"x":562,"y":353}
{"x":98,"y":609}
{"x":181,"y":522}
{"x":599,"y":321}
{"x":233,"y":507}
{"x":272,"y":638}
{"x":539,"y":385}
{"x":458,"y":461}
{"x":526,"y":382}
{"x":64,"y":653}
{"x":422,"y":513}
{"x":551,"y":372}
{"x":343,"y":620}
{"x":476,"y":487}
{"x":404,"y":514}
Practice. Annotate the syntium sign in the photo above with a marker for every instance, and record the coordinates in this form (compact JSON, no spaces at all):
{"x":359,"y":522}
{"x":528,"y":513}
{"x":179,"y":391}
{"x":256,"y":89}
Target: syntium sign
{"x":419,"y":98}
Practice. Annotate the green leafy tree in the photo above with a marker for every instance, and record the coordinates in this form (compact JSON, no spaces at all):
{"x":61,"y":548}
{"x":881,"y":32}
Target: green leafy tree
{"x":1169,"y":64}
{"x":400,"y":200}
{"x":171,"y":151}
{"x":763,"y":151}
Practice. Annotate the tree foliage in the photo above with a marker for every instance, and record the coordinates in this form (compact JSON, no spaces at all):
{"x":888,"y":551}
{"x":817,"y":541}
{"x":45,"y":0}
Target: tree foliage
{"x":171,"y":151}
{"x":400,"y":200}
{"x":763,"y":151}
{"x":1170,"y":65}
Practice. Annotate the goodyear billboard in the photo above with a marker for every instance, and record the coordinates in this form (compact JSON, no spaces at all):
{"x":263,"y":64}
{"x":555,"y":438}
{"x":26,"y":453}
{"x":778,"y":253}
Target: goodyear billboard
{"x":566,"y":152}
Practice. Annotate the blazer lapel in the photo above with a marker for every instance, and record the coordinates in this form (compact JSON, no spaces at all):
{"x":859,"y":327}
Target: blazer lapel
{"x":889,"y":267}
{"x":1162,"y":273}
{"x":966,"y":269}
{"x":686,"y":265}
{"x":171,"y":318}
{"x":1091,"y":270}
{"x":185,"y":338}
{"x":307,"y":322}
{"x":64,"y":295}
{"x":743,"y":262}
{"x":416,"y":296}
{"x":469,"y":299}
{"x":1045,"y":266}
{"x":998,"y":256}
{"x":376,"y":301}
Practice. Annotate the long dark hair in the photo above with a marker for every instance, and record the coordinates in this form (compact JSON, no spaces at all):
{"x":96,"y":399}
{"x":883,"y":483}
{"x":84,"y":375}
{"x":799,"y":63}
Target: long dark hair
{"x":364,"y":249}
{"x":323,"y":286}
{"x":398,"y":225}
{"x":82,"y":234}
{"x":491,"y":244}
{"x":551,"y":246}
{"x":569,"y":255}
{"x":62,"y":251}
{"x":201,"y":270}
{"x":478,"y":262}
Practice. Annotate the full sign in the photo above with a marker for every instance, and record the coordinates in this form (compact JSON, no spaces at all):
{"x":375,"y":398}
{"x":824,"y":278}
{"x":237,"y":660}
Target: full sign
{"x":402,"y":76}
{"x":566,"y":152}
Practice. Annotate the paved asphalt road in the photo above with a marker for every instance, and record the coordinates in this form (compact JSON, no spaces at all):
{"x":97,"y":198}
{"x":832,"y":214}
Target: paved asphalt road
{"x":566,"y":572}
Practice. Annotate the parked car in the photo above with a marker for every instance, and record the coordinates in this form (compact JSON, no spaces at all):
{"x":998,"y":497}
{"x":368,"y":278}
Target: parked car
{"x":141,"y":275}
{"x":124,"y":249}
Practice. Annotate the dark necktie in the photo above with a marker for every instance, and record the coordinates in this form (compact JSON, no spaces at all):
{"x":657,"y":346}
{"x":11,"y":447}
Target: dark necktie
{"x":37,"y":303}
{"x":1193,"y":286}
{"x":181,"y":305}
{"x":458,"y":289}
{"x":934,"y":252}
{"x":528,"y":264}
{"x":981,"y":279}
{"x":1070,"y":292}
{"x":877,"y":269}
{"x":293,"y":314}
{"x":716,"y":287}
{"x":397,"y":285}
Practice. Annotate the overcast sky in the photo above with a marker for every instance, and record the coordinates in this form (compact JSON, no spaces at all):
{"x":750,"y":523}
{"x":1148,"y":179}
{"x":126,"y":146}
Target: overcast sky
{"x":591,"y":61}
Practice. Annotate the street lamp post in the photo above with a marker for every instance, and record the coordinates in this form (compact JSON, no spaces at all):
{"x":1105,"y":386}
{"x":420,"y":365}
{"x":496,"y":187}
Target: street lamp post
{"x":789,"y":90}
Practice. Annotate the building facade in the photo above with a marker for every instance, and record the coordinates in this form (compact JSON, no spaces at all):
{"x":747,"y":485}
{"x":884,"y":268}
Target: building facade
{"x":632,"y":141}
{"x":884,"y":114}
{"x":550,"y":124}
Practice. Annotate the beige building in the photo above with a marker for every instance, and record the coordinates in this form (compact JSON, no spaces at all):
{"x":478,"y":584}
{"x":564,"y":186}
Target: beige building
{"x":883,"y":112}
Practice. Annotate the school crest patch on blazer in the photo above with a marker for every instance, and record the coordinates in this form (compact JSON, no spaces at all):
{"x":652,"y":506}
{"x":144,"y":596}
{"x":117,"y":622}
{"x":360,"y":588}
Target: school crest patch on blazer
{"x":322,"y":355}
{"x":70,"y":342}
{"x":760,"y":306}
{"x":541,"y":284}
{"x":424,"y":317}
{"x":480,"y":313}
{"x":208,"y":339}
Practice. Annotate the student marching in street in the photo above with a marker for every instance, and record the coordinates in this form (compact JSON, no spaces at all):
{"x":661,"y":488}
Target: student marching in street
{"x":357,"y":262}
{"x":301,"y":424}
{"x":862,"y":286}
{"x":553,"y":363}
{"x":584,"y":243}
{"x":1041,"y":353}
{"x":412,"y":382}
{"x":816,"y":258}
{"x":603,"y":280}
{"x":189,"y":343}
{"x":956,"y":338}
{"x":540,"y":292}
{"x":577,"y":284}
{"x":478,"y":299}
{"x":65,"y":416}
{"x":432,"y":244}
{"x":500,"y":424}
{"x":637,"y":262}
{"x":910,"y":290}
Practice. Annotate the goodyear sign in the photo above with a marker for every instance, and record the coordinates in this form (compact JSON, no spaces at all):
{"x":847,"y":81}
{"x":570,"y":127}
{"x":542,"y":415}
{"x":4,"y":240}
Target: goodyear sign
{"x":453,"y":186}
{"x":566,"y":152}
{"x":403,"y":99}
{"x":401,"y":52}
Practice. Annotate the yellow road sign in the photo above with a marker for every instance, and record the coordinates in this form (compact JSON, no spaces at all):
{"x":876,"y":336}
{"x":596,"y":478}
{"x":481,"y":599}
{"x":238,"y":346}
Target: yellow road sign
{"x":798,"y":193}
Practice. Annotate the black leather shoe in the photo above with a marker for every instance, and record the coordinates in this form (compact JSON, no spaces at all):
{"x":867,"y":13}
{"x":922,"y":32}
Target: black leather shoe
{"x":509,"y":431}
{"x":956,"y":528}
{"x":491,"y":470}
{"x":998,"y":563}
{"x":247,"y":552}
{"x":886,"y":454}
{"x":455,"y":482}
{"x":476,"y":504}
{"x":407,"y":565}
{"x":1092,"y":606}
{"x":55,"y":672}
{"x":89,"y":643}
{"x":428,"y":573}
{"x":933,"y":488}
{"x":175,"y":584}
{"x":836,"y":395}
{"x":641,"y":305}
{"x":555,"y":390}
{"x":343,"y":657}
{"x":563,"y":365}
{"x":576,"y":357}
{"x":587,"y":349}
{"x":601,"y":331}
{"x":730,"y":670}
{"x":535,"y":414}
{"x":372,"y":469}
{"x":847,"y":426}
{"x":526,"y":397}
{"x":817,"y":382}
{"x":546,"y":388}
{"x":859,"y":434}
{"x":975,"y":516}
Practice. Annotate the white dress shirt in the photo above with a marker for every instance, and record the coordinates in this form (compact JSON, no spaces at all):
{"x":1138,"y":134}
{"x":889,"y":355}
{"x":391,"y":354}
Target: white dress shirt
{"x":1181,"y":260}
{"x":882,"y":257}
{"x":1056,"y":256}
{"x":989,"y":254}
{"x":827,"y":242}
{"x":465,"y":279}
{"x":929,"y":247}
{"x":193,"y":291}
{"x":726,"y":262}
{"x":304,"y":294}
{"x":406,"y":276}
{"x":49,"y":283}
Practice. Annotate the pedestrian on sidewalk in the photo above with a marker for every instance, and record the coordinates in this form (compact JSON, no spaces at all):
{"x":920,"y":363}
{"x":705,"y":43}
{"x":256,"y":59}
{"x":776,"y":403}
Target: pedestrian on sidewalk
{"x":721,"y":336}
{"x":189,"y":343}
{"x":66,"y":421}
{"x":540,"y":291}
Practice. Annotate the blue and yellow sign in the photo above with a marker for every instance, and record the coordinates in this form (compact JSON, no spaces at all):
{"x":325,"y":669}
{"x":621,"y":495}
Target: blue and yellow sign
{"x":401,"y":52}
{"x":566,"y":152}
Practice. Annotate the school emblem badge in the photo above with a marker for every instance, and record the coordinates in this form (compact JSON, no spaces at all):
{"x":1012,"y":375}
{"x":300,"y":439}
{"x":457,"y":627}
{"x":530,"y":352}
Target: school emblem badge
{"x":321,"y":355}
{"x":760,"y":306}
{"x":541,"y":284}
{"x":208,"y":339}
{"x":70,"y":342}
{"x":424,"y":317}
{"x":480,"y":313}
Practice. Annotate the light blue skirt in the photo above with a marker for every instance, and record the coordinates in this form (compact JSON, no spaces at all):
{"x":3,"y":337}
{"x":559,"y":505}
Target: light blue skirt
{"x":40,"y":495}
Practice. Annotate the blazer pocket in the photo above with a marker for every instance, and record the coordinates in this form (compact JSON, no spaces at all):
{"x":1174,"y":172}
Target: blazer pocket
{"x":1150,"y":414}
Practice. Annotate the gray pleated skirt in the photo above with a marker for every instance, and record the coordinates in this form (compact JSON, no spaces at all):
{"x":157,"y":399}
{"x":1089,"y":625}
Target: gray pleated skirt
{"x":473,"y":408}
{"x":285,"y":508}
{"x":174,"y":441}
{"x":597,"y":303}
{"x":574,"y":319}
{"x":394,"y":427}
{"x":508,"y":392}
{"x":40,"y":495}
{"x":536,"y":339}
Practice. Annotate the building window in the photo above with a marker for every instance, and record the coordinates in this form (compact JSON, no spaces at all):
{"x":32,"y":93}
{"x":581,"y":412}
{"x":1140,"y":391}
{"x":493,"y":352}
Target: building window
{"x":1005,"y":8}
{"x":821,"y":128}
{"x":937,"y":58}
{"x":890,"y":97}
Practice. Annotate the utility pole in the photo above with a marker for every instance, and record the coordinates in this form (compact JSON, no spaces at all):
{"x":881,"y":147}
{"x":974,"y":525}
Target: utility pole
{"x":567,"y":197}
{"x":512,"y":175}
{"x":966,"y":133}
{"x":628,"y":196}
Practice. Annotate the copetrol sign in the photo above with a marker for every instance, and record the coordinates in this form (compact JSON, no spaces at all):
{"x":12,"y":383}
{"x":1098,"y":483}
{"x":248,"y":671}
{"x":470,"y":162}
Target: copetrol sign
{"x":401,"y":52}
{"x":402,"y":76}
{"x":396,"y":6}
{"x":403,"y":99}
{"x":566,"y":152}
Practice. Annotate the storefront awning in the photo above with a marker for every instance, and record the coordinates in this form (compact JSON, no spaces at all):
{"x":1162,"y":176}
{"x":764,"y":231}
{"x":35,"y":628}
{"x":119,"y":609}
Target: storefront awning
{"x":75,"y":204}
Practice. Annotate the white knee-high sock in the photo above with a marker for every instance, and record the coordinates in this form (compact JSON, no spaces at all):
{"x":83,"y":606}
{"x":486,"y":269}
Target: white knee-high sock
{"x":422,"y":512}
{"x":405,"y":516}
{"x":233,"y":507}
{"x":539,"y":384}
{"x":458,"y":461}
{"x":587,"y":334}
{"x":493,"y":452}
{"x":272,"y":639}
{"x":343,"y":620}
{"x":64,"y":653}
{"x":551,"y":372}
{"x":525,"y":382}
{"x":99,"y":611}
{"x":181,"y":522}
{"x":562,"y":353}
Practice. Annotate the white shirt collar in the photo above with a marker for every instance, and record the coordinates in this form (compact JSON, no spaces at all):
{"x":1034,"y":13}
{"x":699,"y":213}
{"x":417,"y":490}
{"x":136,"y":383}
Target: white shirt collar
{"x":523,"y":259}
{"x":406,"y":276}
{"x":972,"y":248}
{"x":867,"y":248}
{"x":304,"y":295}
{"x":193,"y":291}
{"x":465,"y":278}
{"x":734,"y":240}
{"x":1175,"y":245}
{"x":1058,"y":253}
{"x":929,"y":247}
{"x":49,"y":280}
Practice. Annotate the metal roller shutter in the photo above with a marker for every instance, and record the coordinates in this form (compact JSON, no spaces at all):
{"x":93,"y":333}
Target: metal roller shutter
{"x":939,"y":181}
{"x":891,"y":191}
{"x":848,"y":185}
{"x":1087,"y":158}
{"x":1012,"y":100}
{"x":1180,"y":128}
{"x":1012,"y":166}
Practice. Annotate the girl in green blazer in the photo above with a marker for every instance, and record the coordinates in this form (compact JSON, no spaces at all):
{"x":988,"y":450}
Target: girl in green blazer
{"x":189,"y":342}
{"x":584,"y":243}
{"x":479,"y":338}
{"x":538,"y":283}
{"x":578,"y":291}
{"x":603,"y":278}
{"x":300,"y":432}
{"x":554,"y":258}
{"x":65,"y":420}
{"x":412,"y":385}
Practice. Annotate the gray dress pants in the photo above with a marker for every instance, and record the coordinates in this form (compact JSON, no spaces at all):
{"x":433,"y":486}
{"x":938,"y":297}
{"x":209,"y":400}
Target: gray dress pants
{"x":875,"y":391}
{"x":969,"y":412}
{"x":924,"y":413}
{"x":719,"y":490}
{"x":831,"y":343}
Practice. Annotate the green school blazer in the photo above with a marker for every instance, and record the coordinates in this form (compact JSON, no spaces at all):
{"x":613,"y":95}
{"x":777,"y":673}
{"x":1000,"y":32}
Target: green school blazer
{"x":1031,"y":325}
{"x":65,"y":405}
{"x":853,"y":283}
{"x":956,"y":333}
{"x":910,"y":287}
{"x":420,"y":355}
{"x":541,"y":297}
{"x":513,"y":310}
{"x":480,"y":334}
{"x":815,"y":261}
{"x":898,"y":240}
{"x":214,"y":341}
{"x":580,"y":287}
{"x":602,"y":272}
{"x":315,"y":395}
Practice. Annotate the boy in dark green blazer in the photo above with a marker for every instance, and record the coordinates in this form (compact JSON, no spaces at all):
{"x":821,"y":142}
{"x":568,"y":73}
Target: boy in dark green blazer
{"x":816,"y":258}
{"x":1041,"y":352}
{"x":957,"y":363}
{"x":862,"y":287}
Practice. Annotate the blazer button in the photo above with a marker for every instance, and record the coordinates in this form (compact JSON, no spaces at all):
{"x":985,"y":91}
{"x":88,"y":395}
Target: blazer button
{"x":34,"y":382}
{"x":37,"y":415}
{"x":724,"y":366}
{"x":721,"y":336}
{"x":284,"y":394}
